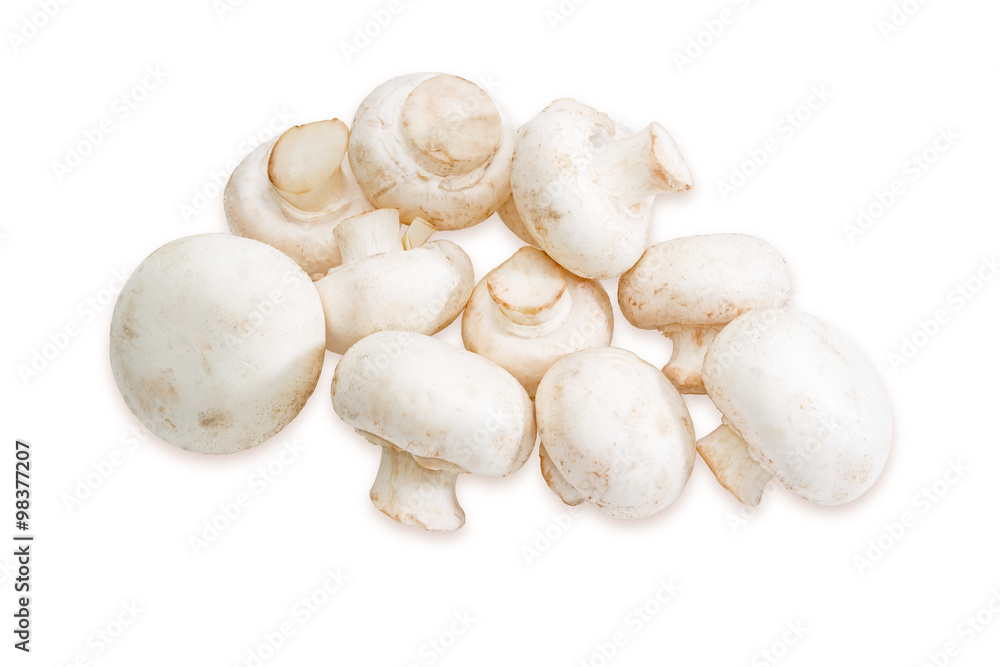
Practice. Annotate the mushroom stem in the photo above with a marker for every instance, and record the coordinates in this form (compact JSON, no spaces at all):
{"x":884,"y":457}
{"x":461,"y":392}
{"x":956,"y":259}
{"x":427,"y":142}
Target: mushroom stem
{"x":305,"y":164}
{"x":688,"y":357}
{"x":727,"y":455}
{"x":643,"y":164}
{"x":417,"y":233}
{"x":414,"y":495}
{"x":530,"y":289}
{"x":367,"y":234}
{"x":556,"y":481}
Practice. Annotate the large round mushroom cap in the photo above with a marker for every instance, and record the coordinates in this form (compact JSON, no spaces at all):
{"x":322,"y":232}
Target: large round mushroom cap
{"x":216,"y":342}
{"x":435,"y":401}
{"x":805,"y":400}
{"x":616,"y":430}
{"x":436,"y":147}
{"x":705,"y":280}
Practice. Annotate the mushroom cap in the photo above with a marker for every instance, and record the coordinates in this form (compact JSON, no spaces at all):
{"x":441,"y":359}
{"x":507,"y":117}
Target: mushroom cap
{"x":706,"y":280}
{"x":530,"y":281}
{"x":435,"y":401}
{"x":805,"y":400}
{"x":255,"y":210}
{"x":617,"y":431}
{"x":217,"y":342}
{"x":436,"y":147}
{"x":421,"y":290}
{"x":559,"y":196}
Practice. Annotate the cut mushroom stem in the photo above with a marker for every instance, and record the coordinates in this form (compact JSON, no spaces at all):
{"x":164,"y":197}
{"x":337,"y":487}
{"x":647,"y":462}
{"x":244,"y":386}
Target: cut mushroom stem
{"x":530,"y":289}
{"x":727,"y":455}
{"x":641,"y":165}
{"x":367,"y":234}
{"x":557,"y":482}
{"x":688,"y":356}
{"x":305,"y":164}
{"x":417,"y":233}
{"x":451,"y":125}
{"x":414,"y":495}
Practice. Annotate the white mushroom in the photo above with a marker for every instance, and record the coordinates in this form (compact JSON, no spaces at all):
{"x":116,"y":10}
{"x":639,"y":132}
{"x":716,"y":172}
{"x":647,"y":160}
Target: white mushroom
{"x":437,"y":411}
{"x":583,"y":185}
{"x":689,"y":288}
{"x":436,"y":147}
{"x":509,"y":216}
{"x":528,"y":312}
{"x":614,"y":432}
{"x":380,"y":286}
{"x":292,"y":192}
{"x":799,"y":402}
{"x":217,"y":342}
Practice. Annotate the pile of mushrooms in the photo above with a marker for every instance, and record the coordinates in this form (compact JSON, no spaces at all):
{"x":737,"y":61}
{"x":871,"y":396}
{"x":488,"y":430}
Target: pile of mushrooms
{"x":218,"y":340}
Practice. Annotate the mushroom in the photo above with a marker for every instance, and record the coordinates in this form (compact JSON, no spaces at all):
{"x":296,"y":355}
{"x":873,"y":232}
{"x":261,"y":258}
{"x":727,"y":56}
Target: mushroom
{"x":800,"y":403}
{"x":509,"y":216}
{"x":380,"y":287}
{"x":436,"y":147}
{"x":292,"y":192}
{"x":691,"y":287}
{"x":583,"y":185}
{"x":436,"y":411}
{"x":614,"y":432}
{"x":528,"y":312}
{"x":217,"y":342}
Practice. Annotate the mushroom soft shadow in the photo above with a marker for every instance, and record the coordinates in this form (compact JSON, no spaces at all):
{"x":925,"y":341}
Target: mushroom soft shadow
{"x":217,"y":342}
{"x":691,"y":287}
{"x":583,"y":185}
{"x":291,"y":193}
{"x":380,"y":286}
{"x":436,"y":147}
{"x":614,"y":432}
{"x":528,"y":312}
{"x":799,"y":402}
{"x":436,"y":411}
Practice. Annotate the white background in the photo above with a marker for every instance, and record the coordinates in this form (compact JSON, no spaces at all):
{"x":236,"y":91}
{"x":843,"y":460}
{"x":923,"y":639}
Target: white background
{"x":232,"y":78}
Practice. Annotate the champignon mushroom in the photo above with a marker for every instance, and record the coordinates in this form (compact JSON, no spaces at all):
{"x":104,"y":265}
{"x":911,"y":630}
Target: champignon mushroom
{"x":799,"y":402}
{"x":528,"y":312}
{"x":689,"y":288}
{"x":437,"y":411}
{"x":292,"y":192}
{"x":380,"y":287}
{"x":217,"y":342}
{"x":583,"y":185}
{"x":436,"y":147}
{"x":614,"y":432}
